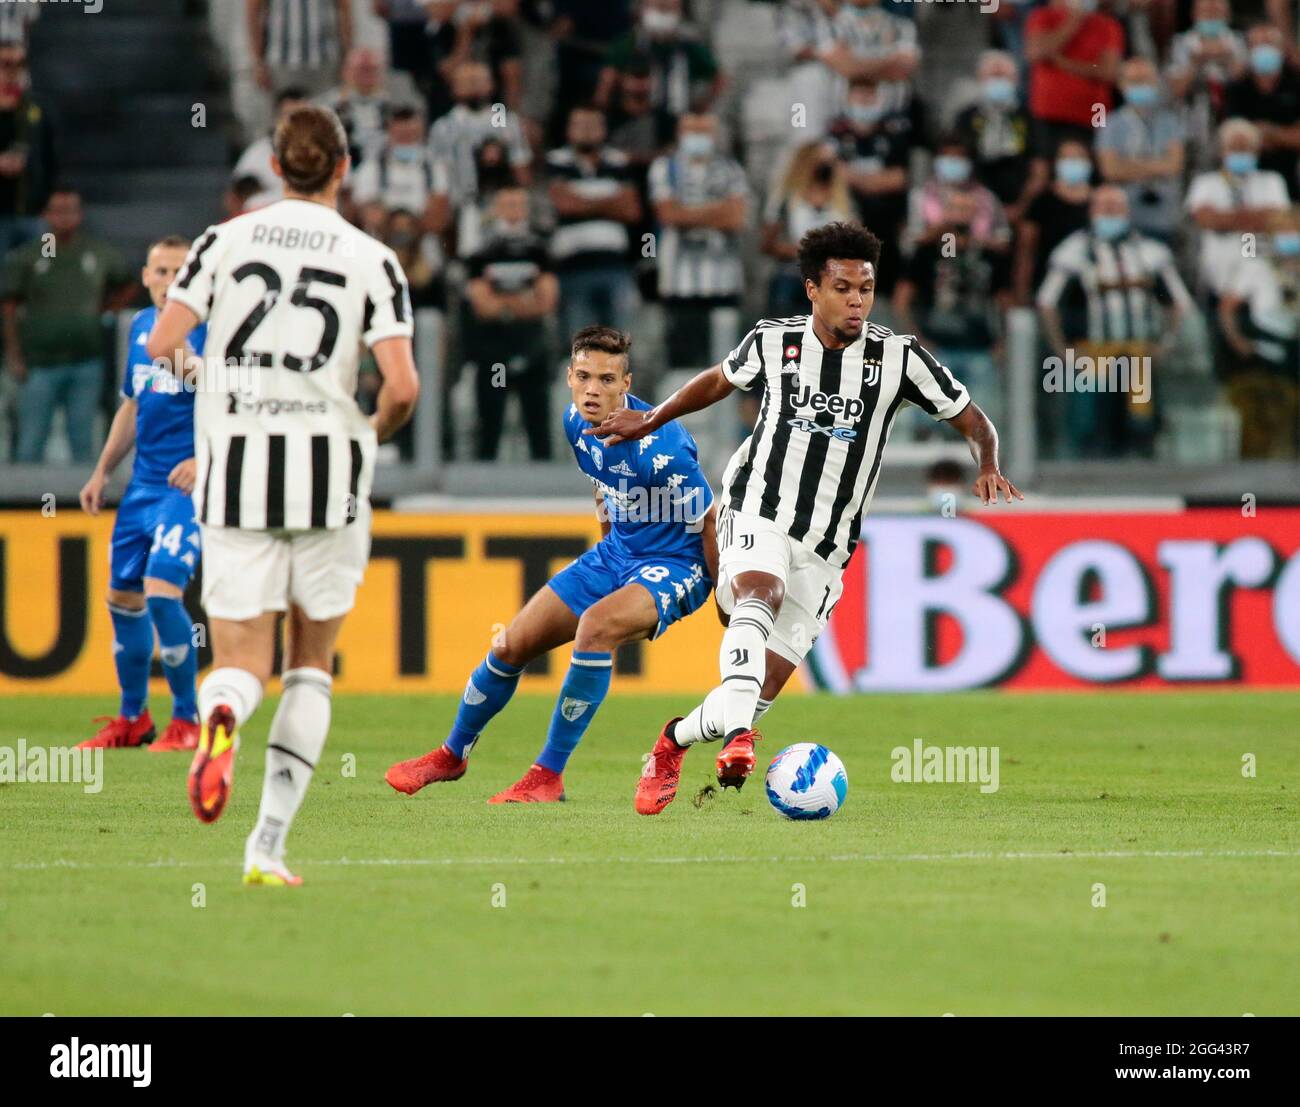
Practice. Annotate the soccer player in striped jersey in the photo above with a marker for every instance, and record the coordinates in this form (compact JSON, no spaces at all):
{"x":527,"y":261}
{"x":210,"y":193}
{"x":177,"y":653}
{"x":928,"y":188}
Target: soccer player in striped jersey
{"x":655,"y":563}
{"x":285,"y":458}
{"x":795,"y":491}
{"x":155,"y":545}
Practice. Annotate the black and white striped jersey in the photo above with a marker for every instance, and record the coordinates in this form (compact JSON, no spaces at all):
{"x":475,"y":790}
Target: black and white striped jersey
{"x":289,"y":293}
{"x":301,"y":33}
{"x":812,"y":462}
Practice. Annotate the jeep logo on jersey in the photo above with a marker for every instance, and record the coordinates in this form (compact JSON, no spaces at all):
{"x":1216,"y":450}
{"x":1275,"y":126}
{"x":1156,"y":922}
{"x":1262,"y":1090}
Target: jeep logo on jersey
{"x":850,"y":407}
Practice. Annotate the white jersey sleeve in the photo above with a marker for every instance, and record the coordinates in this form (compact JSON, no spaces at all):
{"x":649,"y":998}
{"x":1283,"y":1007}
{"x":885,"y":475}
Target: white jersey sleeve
{"x":930,"y":386}
{"x":388,"y":300}
{"x":195,"y":282}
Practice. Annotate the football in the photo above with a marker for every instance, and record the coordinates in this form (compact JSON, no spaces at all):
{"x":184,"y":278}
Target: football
{"x":806,"y":781}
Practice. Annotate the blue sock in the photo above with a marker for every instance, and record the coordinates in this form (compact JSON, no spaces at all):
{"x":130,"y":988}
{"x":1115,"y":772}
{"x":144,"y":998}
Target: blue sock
{"x":132,"y":654}
{"x":584,"y":690}
{"x":179,"y":657}
{"x":489,"y":689}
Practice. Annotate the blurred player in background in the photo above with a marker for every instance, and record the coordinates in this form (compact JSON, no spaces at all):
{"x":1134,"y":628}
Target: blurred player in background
{"x":155,"y":546}
{"x":796,"y":490}
{"x":285,"y":459}
{"x":655,"y":563}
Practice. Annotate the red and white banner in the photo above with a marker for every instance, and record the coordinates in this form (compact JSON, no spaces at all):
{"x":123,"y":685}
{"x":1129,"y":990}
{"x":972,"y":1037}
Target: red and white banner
{"x":1201,"y":597}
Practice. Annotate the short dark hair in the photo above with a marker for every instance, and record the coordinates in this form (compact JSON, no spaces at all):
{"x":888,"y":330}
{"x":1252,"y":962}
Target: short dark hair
{"x":169,"y":242}
{"x":606,"y":340}
{"x":953,"y":140}
{"x":836,"y":240}
{"x":293,"y":92}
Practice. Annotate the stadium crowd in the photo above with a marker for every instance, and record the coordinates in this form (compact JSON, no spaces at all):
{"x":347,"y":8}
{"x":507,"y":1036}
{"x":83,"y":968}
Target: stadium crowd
{"x":1126,"y":169}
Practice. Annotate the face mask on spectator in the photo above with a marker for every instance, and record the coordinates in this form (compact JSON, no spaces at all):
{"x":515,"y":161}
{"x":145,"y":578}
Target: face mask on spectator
{"x":1265,"y":58}
{"x":697,"y":144}
{"x":823,"y":173}
{"x":1241,"y":162}
{"x":1110,"y":227}
{"x":659,"y":22}
{"x":1211,"y":28}
{"x":1141,"y":96}
{"x":865,"y":115}
{"x":1287,"y":244}
{"x":407,"y":153}
{"x":952,"y":169}
{"x":1073,"y":170}
{"x":999,"y":91}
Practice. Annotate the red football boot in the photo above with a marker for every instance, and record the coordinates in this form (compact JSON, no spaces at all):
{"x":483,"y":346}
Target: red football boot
{"x":736,"y":761}
{"x":410,"y":776}
{"x":657,"y":787}
{"x":119,"y":732}
{"x":537,"y":786}
{"x":181,"y":734}
{"x":213,"y":764}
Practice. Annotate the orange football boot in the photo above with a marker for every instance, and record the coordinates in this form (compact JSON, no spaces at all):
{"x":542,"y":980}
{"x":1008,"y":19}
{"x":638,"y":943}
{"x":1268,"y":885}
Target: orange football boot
{"x":537,"y":786}
{"x":736,"y":761}
{"x":181,"y":734}
{"x":657,"y":787}
{"x":213,"y":764}
{"x":119,"y":732}
{"x":410,"y":776}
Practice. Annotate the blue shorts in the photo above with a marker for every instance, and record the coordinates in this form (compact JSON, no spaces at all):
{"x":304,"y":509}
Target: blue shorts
{"x":677,"y":585}
{"x":155,"y":535}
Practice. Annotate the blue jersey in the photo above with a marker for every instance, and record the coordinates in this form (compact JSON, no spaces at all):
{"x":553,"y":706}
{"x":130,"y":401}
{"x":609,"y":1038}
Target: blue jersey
{"x":655,"y":495}
{"x":164,"y":417}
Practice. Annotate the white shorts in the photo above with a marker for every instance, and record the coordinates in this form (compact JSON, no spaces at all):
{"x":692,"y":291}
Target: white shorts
{"x":750,"y":543}
{"x":247,"y":572}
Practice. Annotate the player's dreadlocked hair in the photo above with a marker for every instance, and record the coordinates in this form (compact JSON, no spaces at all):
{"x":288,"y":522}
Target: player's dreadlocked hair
{"x":608,"y":340}
{"x":836,"y":240}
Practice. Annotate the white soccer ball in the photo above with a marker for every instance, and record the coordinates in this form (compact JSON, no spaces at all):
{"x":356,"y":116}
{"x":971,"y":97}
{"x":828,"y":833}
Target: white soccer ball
{"x":806,"y":781}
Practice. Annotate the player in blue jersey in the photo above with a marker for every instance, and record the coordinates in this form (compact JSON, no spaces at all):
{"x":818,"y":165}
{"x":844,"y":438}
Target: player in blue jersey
{"x":655,"y":564}
{"x":155,"y":546}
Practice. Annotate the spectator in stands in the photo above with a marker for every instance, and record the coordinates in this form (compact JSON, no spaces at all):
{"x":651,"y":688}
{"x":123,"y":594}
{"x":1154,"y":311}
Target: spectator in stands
{"x":485,"y":31}
{"x":996,"y":128}
{"x":1141,"y":150}
{"x":402,"y":173}
{"x":1237,"y":198}
{"x":1074,"y":51}
{"x":420,"y":256}
{"x":242,"y":194}
{"x":684,"y":73}
{"x":1052,"y":216}
{"x":54,"y":301}
{"x":701,"y":201}
{"x":1203,"y":60}
{"x":298,"y":43}
{"x":868,"y":41}
{"x":16,"y":22}
{"x":1259,"y":315}
{"x":875,"y":143}
{"x":952,"y":202}
{"x":1102,"y":299}
{"x":1269,"y":96}
{"x":366,"y":96}
{"x":255,"y":161}
{"x":511,"y":292}
{"x":408,"y":44}
{"x":27,"y":157}
{"x":951,"y":295}
{"x":596,"y":203}
{"x":805,"y":29}
{"x":632,"y":125}
{"x":584,"y":33}
{"x":812,"y":192}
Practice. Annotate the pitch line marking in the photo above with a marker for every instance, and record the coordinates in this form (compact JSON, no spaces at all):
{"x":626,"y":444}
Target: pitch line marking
{"x":840,"y":858}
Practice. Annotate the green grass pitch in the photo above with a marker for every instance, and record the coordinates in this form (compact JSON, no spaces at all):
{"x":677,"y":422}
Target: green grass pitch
{"x":920,"y":898}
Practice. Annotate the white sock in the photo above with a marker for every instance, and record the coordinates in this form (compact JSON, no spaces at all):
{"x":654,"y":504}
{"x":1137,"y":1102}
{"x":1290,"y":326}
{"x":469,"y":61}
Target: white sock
{"x":292,"y":750}
{"x":704,"y":723}
{"x":237,"y":688}
{"x":742,"y":661}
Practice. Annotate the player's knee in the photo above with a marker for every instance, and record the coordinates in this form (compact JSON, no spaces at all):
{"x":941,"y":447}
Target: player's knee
{"x":131,"y":601}
{"x":155,"y":586}
{"x":509,"y":649}
{"x":597,"y":635}
{"x":759,"y":586}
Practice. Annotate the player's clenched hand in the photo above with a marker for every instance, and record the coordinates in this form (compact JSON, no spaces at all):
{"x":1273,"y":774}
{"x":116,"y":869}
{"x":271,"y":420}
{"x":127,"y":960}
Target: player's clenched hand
{"x":623,"y":425}
{"x":182,"y":476}
{"x":990,"y":482}
{"x":92,"y":494}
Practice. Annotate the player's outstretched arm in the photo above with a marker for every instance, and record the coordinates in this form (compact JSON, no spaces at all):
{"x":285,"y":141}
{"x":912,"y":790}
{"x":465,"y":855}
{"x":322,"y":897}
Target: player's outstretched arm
{"x":982,"y":437}
{"x":627,"y":425}
{"x":401,"y":387}
{"x":121,"y":437}
{"x":169,"y":334}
